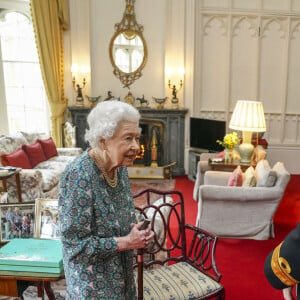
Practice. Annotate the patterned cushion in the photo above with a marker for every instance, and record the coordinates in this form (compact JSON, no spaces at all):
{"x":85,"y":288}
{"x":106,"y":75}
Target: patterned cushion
{"x":178,"y":281}
{"x":62,"y":158}
{"x":50,"y":179}
{"x":33,"y":136}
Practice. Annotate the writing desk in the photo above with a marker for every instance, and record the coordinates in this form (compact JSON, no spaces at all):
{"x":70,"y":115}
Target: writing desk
{"x":9,"y":283}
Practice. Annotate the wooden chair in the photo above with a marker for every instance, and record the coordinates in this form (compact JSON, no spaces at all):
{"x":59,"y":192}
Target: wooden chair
{"x":180,"y":264}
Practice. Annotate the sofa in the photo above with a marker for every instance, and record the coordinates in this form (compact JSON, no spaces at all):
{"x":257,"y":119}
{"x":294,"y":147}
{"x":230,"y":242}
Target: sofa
{"x":41,"y":162}
{"x":241,"y":205}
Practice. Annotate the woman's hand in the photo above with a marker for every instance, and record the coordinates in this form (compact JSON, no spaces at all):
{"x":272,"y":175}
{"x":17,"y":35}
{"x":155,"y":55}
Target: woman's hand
{"x":136,"y":238}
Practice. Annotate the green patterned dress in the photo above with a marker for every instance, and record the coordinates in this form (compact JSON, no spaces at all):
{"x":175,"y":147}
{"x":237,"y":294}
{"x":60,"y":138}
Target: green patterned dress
{"x":91,"y":214}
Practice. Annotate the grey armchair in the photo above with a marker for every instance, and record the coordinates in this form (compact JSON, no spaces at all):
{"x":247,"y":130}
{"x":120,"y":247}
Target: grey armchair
{"x":243,"y":212}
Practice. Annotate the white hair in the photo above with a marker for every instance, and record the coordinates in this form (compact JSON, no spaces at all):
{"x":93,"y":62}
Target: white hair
{"x":104,"y":119}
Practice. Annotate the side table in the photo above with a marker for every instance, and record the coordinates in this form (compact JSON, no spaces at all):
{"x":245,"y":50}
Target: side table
{"x":9,"y":284}
{"x":12,"y":172}
{"x":227,"y":167}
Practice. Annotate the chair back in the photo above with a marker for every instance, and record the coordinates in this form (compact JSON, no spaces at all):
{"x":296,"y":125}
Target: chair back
{"x":167,"y":222}
{"x":170,"y":244}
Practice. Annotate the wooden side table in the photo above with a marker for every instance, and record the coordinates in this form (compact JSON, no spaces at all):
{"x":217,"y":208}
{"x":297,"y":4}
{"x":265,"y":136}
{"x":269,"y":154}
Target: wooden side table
{"x":227,"y":167}
{"x":11,"y":173}
{"x":9,"y":284}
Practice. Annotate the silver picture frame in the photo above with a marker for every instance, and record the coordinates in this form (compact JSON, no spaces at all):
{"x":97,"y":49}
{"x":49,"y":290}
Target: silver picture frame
{"x":17,"y":221}
{"x":46,"y":219}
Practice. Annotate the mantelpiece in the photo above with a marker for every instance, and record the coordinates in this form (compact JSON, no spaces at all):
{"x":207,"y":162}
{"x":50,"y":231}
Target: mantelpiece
{"x":173,"y":143}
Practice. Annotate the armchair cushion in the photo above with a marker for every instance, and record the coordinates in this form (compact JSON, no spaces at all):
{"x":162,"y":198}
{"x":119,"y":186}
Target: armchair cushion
{"x":249,"y":177}
{"x":177,"y":281}
{"x":17,"y":159}
{"x":236,"y":178}
{"x":265,"y":176}
{"x":35,"y":153}
{"x":49,"y":147}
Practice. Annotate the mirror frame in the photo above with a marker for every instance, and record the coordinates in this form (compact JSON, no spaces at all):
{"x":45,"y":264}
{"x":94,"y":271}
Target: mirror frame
{"x":128,"y":24}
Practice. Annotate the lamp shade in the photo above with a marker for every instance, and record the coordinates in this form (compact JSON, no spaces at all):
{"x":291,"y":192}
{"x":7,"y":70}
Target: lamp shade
{"x":248,"y":116}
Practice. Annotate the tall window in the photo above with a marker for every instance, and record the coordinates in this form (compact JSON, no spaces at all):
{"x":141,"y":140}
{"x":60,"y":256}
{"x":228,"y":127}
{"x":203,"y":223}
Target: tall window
{"x":26,"y":101}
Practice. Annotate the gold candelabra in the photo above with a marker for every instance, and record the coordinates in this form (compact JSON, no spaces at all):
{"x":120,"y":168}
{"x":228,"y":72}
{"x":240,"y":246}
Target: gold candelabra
{"x":78,"y":89}
{"x":174,"y":93}
{"x":76,"y":86}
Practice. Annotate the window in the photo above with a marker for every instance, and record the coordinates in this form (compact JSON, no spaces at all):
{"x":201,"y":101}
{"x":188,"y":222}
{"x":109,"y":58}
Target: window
{"x":26,"y":100}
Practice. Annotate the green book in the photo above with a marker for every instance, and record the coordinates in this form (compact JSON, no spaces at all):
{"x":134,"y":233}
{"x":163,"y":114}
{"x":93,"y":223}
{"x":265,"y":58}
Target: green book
{"x":32,"y":255}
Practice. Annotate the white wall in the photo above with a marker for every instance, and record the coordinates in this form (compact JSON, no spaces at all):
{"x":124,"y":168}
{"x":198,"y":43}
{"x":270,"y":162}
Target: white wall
{"x":92,"y":26}
{"x":170,"y":33}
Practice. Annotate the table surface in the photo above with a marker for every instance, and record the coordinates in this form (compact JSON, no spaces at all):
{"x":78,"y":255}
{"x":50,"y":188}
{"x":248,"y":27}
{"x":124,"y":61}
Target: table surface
{"x":10,"y":173}
{"x":223,"y":166}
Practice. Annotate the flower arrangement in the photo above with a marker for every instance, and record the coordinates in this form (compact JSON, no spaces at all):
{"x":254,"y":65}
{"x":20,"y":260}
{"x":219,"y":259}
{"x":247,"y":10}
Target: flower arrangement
{"x":229,"y":140}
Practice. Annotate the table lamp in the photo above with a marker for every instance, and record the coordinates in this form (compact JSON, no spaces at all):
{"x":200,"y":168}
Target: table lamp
{"x":248,"y":117}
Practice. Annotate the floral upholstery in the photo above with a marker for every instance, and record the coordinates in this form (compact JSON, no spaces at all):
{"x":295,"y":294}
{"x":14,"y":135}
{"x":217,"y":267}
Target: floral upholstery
{"x":42,"y":180}
{"x":177,"y":281}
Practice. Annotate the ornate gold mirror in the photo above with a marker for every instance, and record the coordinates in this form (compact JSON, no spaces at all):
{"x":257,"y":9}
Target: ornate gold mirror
{"x":127,"y":48}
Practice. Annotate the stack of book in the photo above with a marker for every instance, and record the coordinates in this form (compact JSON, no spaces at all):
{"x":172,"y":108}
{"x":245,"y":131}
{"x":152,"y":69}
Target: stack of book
{"x":32,"y":257}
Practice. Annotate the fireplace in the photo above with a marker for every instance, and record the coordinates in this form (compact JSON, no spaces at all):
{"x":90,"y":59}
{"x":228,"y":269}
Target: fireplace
{"x":170,"y":136}
{"x":151,"y":143}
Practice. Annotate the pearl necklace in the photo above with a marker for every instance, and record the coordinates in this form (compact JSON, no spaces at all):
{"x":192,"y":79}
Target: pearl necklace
{"x":112,"y":182}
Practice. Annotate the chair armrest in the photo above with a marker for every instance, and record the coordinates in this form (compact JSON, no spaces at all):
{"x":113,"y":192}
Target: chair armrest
{"x":202,"y":167}
{"x":216,"y":178}
{"x":232,"y":193}
{"x":69,"y":151}
{"x":200,"y":251}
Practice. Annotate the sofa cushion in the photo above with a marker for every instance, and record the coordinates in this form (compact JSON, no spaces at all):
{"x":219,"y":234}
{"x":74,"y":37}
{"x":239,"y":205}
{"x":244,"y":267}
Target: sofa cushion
{"x":50,"y":179}
{"x":62,"y":158}
{"x":50,"y":164}
{"x":249,"y":179}
{"x":49,"y":147}
{"x":8,"y":145}
{"x":17,"y":159}
{"x":236,"y":178}
{"x":283,"y":176}
{"x":265,"y":176}
{"x":35,"y":153}
{"x":31,"y":137}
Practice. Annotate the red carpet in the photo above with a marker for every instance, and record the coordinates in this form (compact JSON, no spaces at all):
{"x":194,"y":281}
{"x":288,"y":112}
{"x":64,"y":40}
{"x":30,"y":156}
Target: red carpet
{"x":241,"y":261}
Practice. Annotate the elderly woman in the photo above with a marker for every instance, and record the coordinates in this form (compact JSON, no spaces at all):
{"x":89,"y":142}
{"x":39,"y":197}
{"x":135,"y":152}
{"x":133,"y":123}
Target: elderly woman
{"x":96,"y":211}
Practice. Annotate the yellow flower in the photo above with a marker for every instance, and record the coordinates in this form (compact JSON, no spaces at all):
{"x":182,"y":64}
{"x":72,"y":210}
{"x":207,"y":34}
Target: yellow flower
{"x":229,"y":140}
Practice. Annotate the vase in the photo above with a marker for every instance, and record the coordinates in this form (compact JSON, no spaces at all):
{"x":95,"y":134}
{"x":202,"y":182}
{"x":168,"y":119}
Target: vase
{"x":228,"y":157}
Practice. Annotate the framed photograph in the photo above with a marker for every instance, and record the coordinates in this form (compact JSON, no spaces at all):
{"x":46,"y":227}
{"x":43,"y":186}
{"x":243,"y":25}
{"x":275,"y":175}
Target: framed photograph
{"x":3,"y":197}
{"x":46,"y":219}
{"x":17,"y":221}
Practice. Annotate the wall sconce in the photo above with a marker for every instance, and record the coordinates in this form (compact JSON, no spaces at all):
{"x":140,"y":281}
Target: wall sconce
{"x":173,"y":87}
{"x":79,"y":72}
